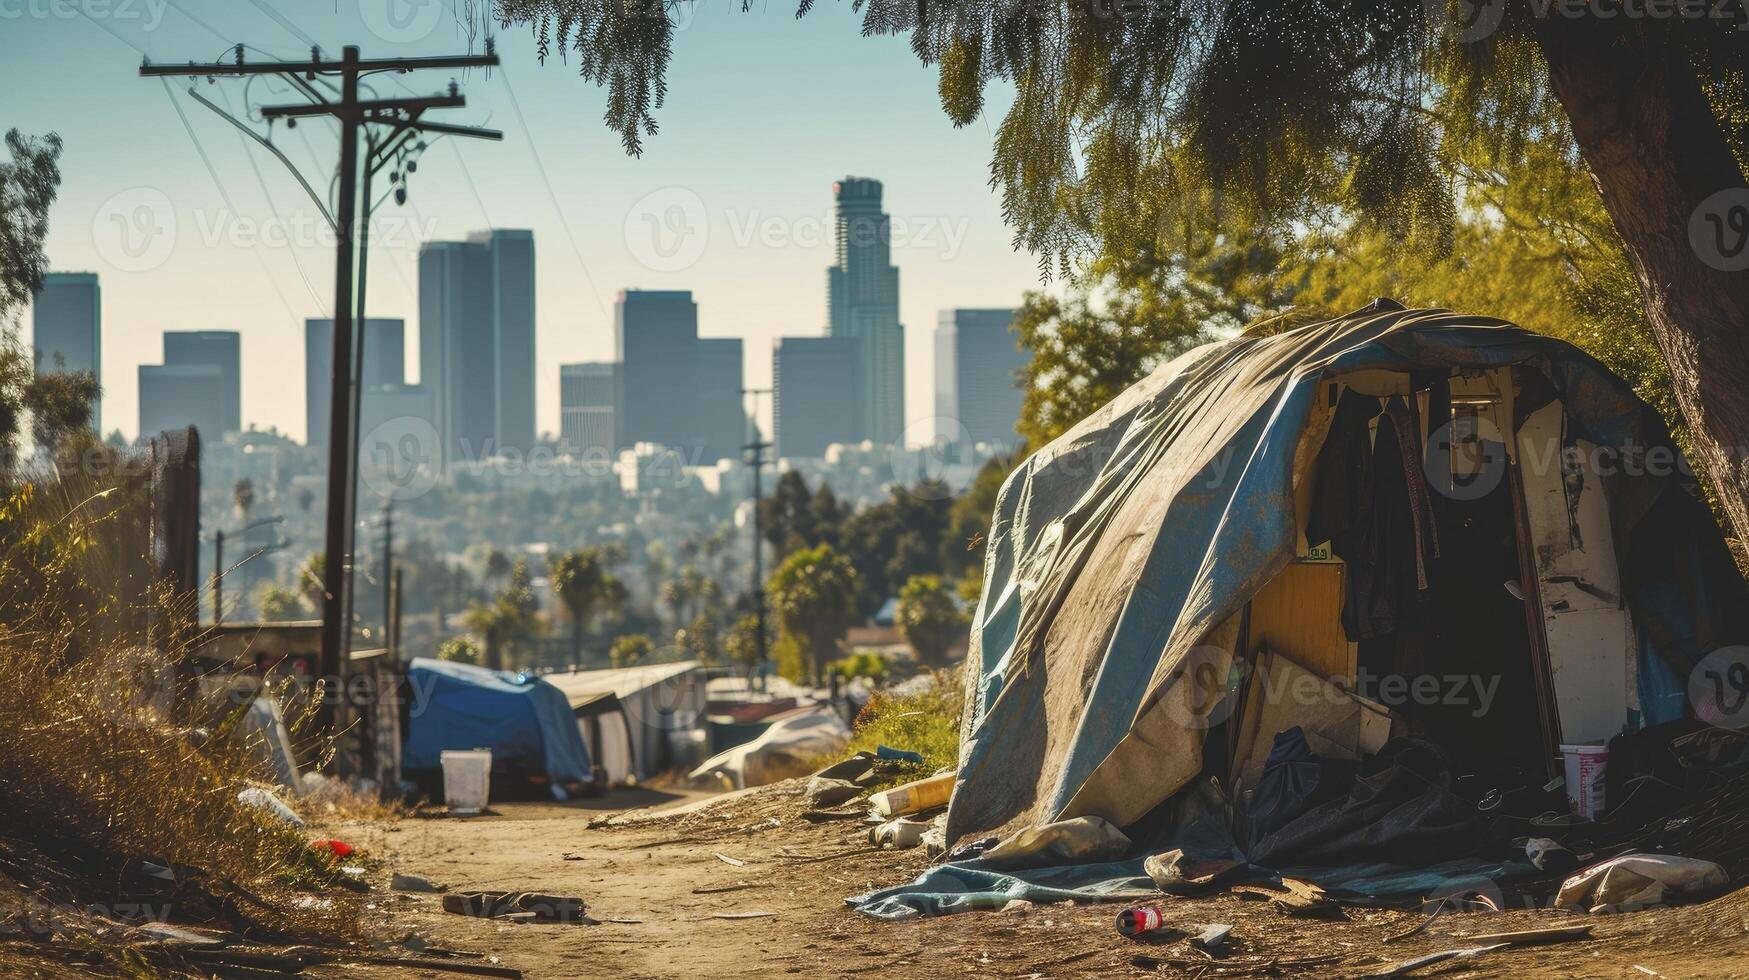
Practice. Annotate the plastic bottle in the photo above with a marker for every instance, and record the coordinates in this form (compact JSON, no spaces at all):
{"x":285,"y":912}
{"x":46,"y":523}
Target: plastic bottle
{"x":924,"y":794}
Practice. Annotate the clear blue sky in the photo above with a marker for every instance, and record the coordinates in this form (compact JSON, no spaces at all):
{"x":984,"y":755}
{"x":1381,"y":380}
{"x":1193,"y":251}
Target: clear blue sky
{"x":764,"y":112}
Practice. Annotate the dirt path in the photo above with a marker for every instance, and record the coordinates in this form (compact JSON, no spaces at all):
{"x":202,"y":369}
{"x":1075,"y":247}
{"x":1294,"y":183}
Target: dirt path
{"x":659,"y":889}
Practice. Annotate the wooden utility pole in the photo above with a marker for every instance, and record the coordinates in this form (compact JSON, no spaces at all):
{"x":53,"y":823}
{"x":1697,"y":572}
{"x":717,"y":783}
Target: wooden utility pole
{"x":393,"y":131}
{"x":756,"y":448}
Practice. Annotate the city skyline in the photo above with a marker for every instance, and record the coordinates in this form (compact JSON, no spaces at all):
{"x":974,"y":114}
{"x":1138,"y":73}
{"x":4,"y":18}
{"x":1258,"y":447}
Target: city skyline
{"x":255,"y":259}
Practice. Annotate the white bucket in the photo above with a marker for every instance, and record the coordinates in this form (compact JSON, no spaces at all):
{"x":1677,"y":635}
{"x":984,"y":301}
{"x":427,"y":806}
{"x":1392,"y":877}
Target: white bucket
{"x":1584,"y":777}
{"x":466,"y":778}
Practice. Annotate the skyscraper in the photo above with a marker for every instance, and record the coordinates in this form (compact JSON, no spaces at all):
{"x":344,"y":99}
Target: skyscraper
{"x":210,"y":363}
{"x":511,"y":259}
{"x":721,"y":420}
{"x":977,"y":384}
{"x":676,"y":389}
{"x":862,"y":302}
{"x":173,"y":396}
{"x":816,"y":394}
{"x":656,"y":340}
{"x":589,"y":409}
{"x":385,"y":367}
{"x":477,"y":342}
{"x":67,"y":328}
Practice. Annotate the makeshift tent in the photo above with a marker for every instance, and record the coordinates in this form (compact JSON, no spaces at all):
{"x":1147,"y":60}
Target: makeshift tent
{"x":526,"y":722}
{"x":791,"y":745}
{"x":664,"y":707}
{"x":601,"y":720}
{"x":1146,"y":570}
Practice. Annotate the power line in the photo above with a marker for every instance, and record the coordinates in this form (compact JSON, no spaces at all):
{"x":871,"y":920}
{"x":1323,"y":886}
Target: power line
{"x":541,"y":169}
{"x":281,"y":20}
{"x":224,"y":195}
{"x":109,"y":30}
{"x":210,"y":29}
{"x":469,"y":177}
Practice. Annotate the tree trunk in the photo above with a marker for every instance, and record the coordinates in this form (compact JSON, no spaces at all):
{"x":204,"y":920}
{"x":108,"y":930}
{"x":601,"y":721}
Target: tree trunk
{"x":1657,"y":152}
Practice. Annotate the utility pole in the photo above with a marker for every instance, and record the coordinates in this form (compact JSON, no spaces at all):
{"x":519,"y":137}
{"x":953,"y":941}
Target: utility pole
{"x":393,"y":130}
{"x":388,"y":570}
{"x":218,"y":577}
{"x":756,"y":448}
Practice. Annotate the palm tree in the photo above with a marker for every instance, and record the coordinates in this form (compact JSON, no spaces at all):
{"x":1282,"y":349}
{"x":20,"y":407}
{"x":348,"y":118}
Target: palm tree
{"x":578,"y":579}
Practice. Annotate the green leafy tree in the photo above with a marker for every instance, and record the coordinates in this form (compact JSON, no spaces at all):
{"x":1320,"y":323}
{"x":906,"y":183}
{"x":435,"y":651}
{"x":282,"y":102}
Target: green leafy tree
{"x":786,"y":515}
{"x":929,"y":619}
{"x":29,"y":180}
{"x":459,"y":649}
{"x":509,"y":624}
{"x":742,"y":643}
{"x":310,"y":579}
{"x":813,"y":594}
{"x":968,"y":522}
{"x":631,"y":650}
{"x":902,"y":536}
{"x":702,"y":640}
{"x":279,"y":604}
{"x":60,"y":405}
{"x":583,"y":584}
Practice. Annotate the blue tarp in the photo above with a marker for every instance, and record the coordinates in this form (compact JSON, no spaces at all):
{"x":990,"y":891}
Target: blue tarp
{"x":523,"y":720}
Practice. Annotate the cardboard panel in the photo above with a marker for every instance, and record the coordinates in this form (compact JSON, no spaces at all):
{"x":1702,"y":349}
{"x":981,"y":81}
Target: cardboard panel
{"x":1299,"y":615}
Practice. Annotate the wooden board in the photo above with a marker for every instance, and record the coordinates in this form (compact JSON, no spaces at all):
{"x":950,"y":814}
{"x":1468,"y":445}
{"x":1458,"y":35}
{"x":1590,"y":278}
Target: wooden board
{"x":1299,"y":615}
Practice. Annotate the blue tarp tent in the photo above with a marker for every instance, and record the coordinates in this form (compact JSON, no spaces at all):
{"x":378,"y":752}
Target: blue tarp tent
{"x":1122,"y":555}
{"x":1112,"y":635}
{"x":525,"y":721}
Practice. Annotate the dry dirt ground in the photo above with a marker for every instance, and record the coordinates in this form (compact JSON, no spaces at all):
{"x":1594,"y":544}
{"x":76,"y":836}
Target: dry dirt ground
{"x":669,"y":906}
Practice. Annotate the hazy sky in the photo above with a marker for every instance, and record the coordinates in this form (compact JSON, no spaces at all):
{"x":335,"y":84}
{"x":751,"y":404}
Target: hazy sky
{"x":732,"y":199}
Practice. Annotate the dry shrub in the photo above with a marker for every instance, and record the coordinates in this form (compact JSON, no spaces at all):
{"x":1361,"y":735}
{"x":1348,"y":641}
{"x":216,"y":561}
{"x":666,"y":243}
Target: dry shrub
{"x":107,"y":760}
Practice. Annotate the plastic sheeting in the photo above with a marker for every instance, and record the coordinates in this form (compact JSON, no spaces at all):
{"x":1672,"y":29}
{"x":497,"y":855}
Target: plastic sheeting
{"x":971,"y":885}
{"x":523,"y":720}
{"x":793,"y":744}
{"x":1119,"y":550}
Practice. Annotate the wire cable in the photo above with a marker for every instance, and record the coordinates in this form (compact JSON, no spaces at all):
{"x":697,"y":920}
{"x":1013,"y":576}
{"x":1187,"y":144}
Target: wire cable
{"x":540,"y":168}
{"x":224,"y":195}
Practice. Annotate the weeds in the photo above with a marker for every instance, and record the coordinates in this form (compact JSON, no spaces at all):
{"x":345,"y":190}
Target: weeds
{"x":927,"y":723}
{"x":118,"y":793}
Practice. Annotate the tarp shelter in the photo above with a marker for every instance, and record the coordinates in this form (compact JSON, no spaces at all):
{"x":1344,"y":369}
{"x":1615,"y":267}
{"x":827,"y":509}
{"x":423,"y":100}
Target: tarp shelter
{"x":526,"y":722}
{"x":602,"y":721}
{"x":1140,"y":566}
{"x":664,"y":705}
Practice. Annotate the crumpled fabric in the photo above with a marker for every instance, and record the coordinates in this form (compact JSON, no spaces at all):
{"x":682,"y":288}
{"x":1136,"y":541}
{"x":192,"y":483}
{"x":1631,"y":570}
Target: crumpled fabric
{"x":1083,"y":840}
{"x":1637,"y":881}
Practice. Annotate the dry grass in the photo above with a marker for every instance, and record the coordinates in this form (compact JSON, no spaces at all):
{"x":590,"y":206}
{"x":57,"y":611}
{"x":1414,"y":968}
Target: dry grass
{"x":108,"y":761}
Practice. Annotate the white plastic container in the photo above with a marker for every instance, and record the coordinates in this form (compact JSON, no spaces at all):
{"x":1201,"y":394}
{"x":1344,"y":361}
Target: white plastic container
{"x":467,"y":777}
{"x":1584,"y":777}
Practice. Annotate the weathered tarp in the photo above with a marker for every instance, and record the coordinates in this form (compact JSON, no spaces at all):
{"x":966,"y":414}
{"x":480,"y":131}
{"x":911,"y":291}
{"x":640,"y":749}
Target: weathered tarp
{"x":1117,"y":551}
{"x":523,"y":720}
